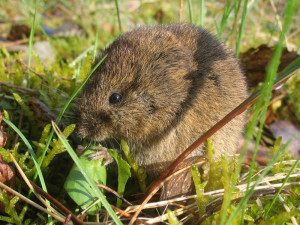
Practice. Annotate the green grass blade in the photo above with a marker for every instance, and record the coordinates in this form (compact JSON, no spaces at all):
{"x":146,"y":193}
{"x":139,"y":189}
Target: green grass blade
{"x":65,"y":108}
{"x":227,"y":10}
{"x":271,"y":72}
{"x":292,"y":67}
{"x":191,"y":11}
{"x":263,"y":101}
{"x":90,"y":181}
{"x":241,"y":30}
{"x":263,"y":174}
{"x":202,"y":12}
{"x":96,"y":43}
{"x":81,"y":56}
{"x":118,"y":14}
{"x":282,"y":186}
{"x":32,"y":33}
{"x":32,"y":153}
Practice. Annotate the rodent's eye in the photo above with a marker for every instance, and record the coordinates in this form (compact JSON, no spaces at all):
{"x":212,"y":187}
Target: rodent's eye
{"x":115,"y":98}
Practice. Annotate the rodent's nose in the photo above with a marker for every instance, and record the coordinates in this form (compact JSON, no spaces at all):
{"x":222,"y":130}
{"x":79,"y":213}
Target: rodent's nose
{"x":80,"y":132}
{"x":84,"y":127}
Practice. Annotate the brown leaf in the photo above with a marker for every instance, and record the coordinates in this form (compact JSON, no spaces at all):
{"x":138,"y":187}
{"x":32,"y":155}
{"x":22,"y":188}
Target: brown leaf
{"x":18,"y":32}
{"x":256,"y":60}
{"x":287,"y":130}
{"x":7,"y":176}
{"x":182,"y":183}
{"x":3,"y":135}
{"x":262,"y":157}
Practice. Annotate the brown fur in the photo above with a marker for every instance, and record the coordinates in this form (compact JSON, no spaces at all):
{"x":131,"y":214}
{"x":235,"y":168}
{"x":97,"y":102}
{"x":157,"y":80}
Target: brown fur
{"x":177,"y":81}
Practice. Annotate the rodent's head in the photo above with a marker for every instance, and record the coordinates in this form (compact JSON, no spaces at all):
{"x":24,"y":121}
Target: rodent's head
{"x":138,"y":91}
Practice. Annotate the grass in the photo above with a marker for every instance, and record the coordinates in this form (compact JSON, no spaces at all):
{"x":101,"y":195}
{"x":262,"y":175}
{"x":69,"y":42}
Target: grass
{"x":262,"y":102}
{"x":191,"y":11}
{"x":30,"y":149}
{"x":241,"y":30}
{"x":118,"y":13}
{"x":91,"y":182}
{"x":241,"y":24}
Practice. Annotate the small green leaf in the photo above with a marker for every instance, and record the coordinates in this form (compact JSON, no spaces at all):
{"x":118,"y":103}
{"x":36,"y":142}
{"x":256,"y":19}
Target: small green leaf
{"x":95,"y":190}
{"x":24,"y":106}
{"x":138,"y":171}
{"x":41,"y":144}
{"x":123,"y":173}
{"x":172,"y":218}
{"x":77,"y":186}
{"x":215,"y":167}
{"x":202,"y":201}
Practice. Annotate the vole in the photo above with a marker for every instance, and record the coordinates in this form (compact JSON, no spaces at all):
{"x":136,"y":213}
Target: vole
{"x":159,"y":89}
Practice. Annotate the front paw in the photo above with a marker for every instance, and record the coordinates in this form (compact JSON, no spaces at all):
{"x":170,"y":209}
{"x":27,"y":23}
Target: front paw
{"x":101,"y":153}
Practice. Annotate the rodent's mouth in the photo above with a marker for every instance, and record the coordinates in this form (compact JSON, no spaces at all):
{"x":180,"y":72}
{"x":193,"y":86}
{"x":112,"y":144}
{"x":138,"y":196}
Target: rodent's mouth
{"x":95,"y":138}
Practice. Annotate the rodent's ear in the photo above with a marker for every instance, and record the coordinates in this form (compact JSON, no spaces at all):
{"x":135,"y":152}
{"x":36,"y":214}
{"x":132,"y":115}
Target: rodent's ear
{"x":149,"y":100}
{"x":115,"y":98}
{"x":160,"y":55}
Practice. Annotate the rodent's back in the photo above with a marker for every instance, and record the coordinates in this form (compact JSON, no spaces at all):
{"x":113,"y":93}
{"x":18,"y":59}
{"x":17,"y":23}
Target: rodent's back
{"x":175,"y":82}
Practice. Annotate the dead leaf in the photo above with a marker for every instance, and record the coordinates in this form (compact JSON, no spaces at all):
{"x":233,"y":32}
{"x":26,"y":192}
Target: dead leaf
{"x":256,"y":60}
{"x":7,"y":177}
{"x":18,"y":32}
{"x":182,"y":183}
{"x":3,"y":135}
{"x":287,"y":130}
{"x":262,"y":157}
